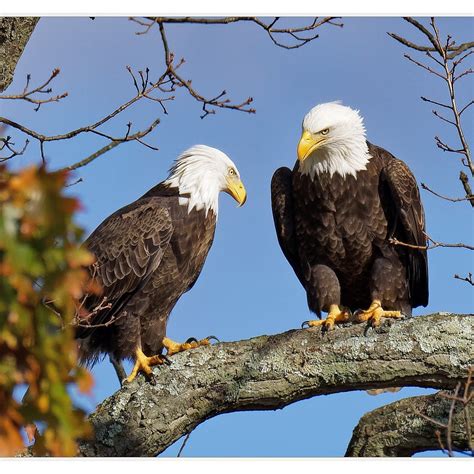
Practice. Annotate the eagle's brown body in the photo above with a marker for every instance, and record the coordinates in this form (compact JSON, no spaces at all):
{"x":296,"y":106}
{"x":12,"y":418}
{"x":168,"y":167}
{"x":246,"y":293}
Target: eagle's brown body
{"x":148,"y":254}
{"x":335,"y":233}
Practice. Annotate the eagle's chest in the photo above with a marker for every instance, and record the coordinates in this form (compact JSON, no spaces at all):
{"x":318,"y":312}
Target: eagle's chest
{"x":338,"y":219}
{"x":185,"y":255}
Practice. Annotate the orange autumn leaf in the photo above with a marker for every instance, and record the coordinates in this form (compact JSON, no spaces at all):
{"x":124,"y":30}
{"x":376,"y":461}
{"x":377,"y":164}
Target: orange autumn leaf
{"x":85,"y":382}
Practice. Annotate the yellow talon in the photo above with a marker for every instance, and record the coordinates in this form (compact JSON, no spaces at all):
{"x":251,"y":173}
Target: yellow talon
{"x":173,"y":347}
{"x":144,"y":363}
{"x":335,"y":315}
{"x":375,"y":313}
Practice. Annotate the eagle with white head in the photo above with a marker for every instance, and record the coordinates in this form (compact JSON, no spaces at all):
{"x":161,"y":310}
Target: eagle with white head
{"x":148,"y":254}
{"x":336,"y":217}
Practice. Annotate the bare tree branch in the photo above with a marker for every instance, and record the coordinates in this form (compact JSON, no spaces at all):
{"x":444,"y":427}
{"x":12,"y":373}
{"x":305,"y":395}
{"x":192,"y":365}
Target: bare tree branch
{"x":444,"y":54}
{"x":269,"y":372}
{"x":434,"y":245}
{"x":427,"y":188}
{"x":467,"y":279}
{"x":142,"y":93}
{"x":273,"y":32}
{"x":454,"y":50}
{"x":220,"y":100}
{"x":178,"y":81}
{"x":29,"y":95}
{"x":5,"y":142}
{"x":169,"y":81}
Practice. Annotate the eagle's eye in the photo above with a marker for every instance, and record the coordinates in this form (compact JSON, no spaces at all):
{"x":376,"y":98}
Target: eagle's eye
{"x":232,"y":172}
{"x":325,"y":131}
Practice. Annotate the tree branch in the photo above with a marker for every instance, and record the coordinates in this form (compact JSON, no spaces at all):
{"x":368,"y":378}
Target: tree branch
{"x":410,"y":426}
{"x":297,"y":41}
{"x":270,"y":372}
{"x":444,"y":54}
{"x":31,"y":95}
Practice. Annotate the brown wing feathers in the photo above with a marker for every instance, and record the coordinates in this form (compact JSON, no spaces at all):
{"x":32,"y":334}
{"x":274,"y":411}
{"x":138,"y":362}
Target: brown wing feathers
{"x":128,"y":246}
{"x":408,"y":225}
{"x":283,"y":217}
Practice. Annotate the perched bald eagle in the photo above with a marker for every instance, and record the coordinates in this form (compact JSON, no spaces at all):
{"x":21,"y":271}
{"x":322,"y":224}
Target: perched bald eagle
{"x":335,"y":215}
{"x":151,"y":252}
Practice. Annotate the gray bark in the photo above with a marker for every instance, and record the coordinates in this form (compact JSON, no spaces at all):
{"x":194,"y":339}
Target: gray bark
{"x":14,"y":34}
{"x":270,"y":372}
{"x":399,"y":430}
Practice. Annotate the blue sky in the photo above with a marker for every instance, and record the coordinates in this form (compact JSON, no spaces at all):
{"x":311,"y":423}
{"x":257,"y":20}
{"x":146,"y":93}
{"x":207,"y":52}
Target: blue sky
{"x":247,"y":288}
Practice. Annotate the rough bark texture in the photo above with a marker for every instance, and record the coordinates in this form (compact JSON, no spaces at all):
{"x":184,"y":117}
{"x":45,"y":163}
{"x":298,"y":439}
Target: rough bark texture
{"x":270,"y":372}
{"x":14,"y":34}
{"x":399,"y":430}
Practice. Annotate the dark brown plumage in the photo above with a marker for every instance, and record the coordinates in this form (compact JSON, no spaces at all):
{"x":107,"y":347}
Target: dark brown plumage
{"x":148,"y":254}
{"x":335,"y":231}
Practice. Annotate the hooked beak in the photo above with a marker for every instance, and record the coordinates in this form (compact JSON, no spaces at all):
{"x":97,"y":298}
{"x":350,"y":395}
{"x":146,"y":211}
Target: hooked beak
{"x":308,"y":143}
{"x":237,"y":190}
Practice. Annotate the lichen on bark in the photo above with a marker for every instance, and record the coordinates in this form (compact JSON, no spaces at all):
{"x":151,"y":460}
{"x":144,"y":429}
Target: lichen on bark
{"x":269,"y":372}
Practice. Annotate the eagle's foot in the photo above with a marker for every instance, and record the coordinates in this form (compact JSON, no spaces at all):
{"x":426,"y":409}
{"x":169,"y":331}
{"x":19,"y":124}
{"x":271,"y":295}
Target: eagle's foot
{"x":335,"y":316}
{"x":173,"y":347}
{"x":375,"y":313}
{"x":144,"y":364}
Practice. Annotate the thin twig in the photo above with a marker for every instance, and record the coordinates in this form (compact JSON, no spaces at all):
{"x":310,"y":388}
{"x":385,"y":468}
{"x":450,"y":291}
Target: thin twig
{"x":467,"y":279}
{"x":6,"y":143}
{"x":179,"y":81}
{"x":444,"y":54}
{"x":436,"y":244}
{"x":469,"y":198}
{"x":273,"y":32}
{"x":28,"y":95}
{"x":93,"y":128}
{"x":447,"y":427}
{"x":184,"y":444}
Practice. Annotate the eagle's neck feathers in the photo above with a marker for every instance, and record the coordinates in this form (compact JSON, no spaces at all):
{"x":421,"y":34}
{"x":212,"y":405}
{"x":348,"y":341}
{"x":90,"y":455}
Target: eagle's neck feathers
{"x":199,"y":176}
{"x":345,"y":157}
{"x":196,"y":192}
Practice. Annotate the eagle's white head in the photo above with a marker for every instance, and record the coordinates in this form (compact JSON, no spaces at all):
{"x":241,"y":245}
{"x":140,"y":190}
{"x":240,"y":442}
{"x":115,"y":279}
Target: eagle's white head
{"x":201,"y":173}
{"x":333,"y":141}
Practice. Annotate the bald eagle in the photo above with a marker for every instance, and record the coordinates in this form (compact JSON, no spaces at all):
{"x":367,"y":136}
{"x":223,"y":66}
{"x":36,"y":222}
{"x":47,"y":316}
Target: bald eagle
{"x":336,"y":214}
{"x":148,"y":254}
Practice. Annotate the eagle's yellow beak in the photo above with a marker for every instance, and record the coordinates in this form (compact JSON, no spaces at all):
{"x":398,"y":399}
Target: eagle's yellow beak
{"x":236,"y":189}
{"x":308,"y":143}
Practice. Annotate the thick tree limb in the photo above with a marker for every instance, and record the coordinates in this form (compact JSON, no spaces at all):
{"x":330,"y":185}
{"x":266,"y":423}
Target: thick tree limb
{"x":14,"y":34}
{"x":270,"y":372}
{"x":400,"y":429}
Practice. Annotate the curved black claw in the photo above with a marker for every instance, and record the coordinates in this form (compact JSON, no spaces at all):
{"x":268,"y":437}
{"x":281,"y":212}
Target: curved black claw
{"x":166,"y":360}
{"x":212,"y":338}
{"x":303,"y":324}
{"x":325,"y":328}
{"x":369,"y":325}
{"x":191,"y":339}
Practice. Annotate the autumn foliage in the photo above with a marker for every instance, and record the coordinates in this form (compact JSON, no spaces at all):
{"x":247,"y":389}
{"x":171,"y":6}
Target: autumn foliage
{"x":42,"y":279}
